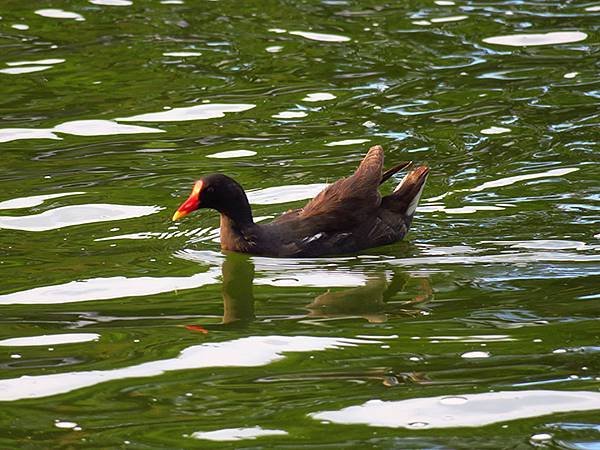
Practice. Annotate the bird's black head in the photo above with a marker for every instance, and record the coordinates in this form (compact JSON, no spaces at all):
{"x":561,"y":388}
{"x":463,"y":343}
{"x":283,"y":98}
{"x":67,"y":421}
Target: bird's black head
{"x":220,"y":192}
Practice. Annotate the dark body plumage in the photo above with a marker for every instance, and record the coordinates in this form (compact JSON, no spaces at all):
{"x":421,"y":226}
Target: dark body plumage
{"x":347,"y":216}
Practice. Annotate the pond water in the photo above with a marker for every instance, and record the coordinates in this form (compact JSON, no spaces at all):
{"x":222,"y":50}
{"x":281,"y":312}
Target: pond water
{"x":122,"y":329}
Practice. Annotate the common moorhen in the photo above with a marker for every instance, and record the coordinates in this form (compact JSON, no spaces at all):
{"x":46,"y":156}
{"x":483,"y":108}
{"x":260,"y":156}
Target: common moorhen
{"x":347,"y":216}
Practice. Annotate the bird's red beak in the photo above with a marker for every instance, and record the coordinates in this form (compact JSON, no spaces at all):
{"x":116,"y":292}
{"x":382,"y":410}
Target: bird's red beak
{"x":191,"y":204}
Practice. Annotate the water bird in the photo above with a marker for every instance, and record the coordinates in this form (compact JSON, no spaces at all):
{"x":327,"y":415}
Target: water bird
{"x":347,"y":216}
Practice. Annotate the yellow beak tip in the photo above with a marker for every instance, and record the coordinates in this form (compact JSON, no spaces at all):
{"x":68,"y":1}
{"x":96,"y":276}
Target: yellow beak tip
{"x":178,"y":215}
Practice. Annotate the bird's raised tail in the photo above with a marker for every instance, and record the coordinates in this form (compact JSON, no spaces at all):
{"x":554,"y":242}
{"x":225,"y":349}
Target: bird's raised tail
{"x":407,"y":194}
{"x":397,"y":168}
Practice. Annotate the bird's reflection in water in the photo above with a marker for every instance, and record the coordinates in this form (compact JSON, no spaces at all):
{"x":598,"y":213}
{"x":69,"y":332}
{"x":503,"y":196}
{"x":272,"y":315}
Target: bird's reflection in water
{"x":371,"y":301}
{"x":238,"y":289}
{"x":368,"y":301}
{"x":381,"y":295}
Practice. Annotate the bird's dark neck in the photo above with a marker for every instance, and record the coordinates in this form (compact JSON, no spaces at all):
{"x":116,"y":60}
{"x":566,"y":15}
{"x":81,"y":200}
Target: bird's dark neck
{"x":228,"y":223}
{"x":238,"y":216}
{"x":235,"y":210}
{"x":237,"y":225}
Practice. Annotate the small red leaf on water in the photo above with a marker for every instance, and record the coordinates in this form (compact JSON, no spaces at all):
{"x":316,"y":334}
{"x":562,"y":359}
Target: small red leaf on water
{"x":197,"y":328}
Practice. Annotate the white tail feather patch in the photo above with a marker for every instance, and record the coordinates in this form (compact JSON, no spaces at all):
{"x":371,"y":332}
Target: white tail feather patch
{"x":414,"y":202}
{"x":401,"y":183}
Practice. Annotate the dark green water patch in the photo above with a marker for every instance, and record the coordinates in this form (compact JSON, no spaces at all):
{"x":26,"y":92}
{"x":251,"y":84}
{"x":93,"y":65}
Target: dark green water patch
{"x":121,"y":329}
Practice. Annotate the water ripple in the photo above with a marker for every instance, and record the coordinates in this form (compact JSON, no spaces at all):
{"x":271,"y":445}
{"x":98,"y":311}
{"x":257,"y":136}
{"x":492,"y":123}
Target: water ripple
{"x":43,"y":62}
{"x":527,"y":40}
{"x":322,"y":37}
{"x":13,"y":134}
{"x":67,"y":216}
{"x":21,"y":70}
{"x":112,"y":2}
{"x":34,"y":200}
{"x":284,"y":194}
{"x":49,"y":339}
{"x":59,"y":14}
{"x":249,"y":351}
{"x":101,"y":128}
{"x":478,"y":410}
{"x":236,"y":434}
{"x":197,"y":112}
{"x":96,"y":289}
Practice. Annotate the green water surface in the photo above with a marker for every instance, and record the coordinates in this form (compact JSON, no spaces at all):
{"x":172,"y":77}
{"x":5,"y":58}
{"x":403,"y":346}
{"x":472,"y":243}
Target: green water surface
{"x":491,"y":297}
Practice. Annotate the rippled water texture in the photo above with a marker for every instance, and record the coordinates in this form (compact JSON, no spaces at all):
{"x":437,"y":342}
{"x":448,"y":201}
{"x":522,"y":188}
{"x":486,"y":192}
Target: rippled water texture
{"x":121,"y":329}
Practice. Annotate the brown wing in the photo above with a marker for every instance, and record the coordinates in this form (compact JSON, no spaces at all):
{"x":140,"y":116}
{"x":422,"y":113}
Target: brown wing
{"x":371,"y":167}
{"x":347,"y":201}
